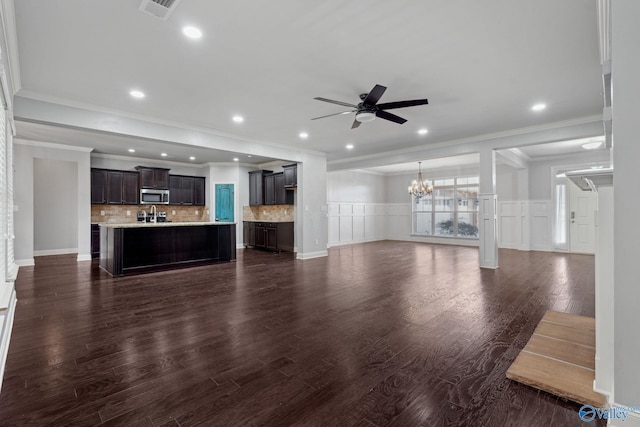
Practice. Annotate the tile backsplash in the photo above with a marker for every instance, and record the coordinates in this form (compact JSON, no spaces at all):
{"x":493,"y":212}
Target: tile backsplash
{"x":117,"y":214}
{"x":280,"y":213}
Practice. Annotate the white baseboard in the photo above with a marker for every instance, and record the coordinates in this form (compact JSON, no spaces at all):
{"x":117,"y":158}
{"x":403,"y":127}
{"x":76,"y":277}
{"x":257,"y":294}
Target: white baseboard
{"x":83,"y":257}
{"x":240,"y":246}
{"x":25,"y":262}
{"x":48,"y":252}
{"x":310,"y":255}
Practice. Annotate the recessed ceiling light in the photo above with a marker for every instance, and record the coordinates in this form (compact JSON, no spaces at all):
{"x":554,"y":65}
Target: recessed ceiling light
{"x":192,"y":158}
{"x":238,"y":119}
{"x":592,"y":145}
{"x":539,"y":107}
{"x":423,"y":131}
{"x":235,"y":159}
{"x":303,"y":135}
{"x":131,"y":150}
{"x":164,"y":154}
{"x":192,"y":32}
{"x":349,"y":146}
{"x":137,"y":94}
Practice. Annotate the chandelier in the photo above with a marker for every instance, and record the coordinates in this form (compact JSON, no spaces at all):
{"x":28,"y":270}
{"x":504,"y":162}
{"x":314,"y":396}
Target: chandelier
{"x":419,"y":187}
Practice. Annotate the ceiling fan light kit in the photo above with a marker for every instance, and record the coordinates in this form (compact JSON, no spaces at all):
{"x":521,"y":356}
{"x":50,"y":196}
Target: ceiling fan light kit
{"x":367,"y":110}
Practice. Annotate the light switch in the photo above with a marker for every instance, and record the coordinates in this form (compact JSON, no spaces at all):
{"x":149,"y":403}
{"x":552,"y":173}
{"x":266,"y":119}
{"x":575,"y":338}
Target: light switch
{"x":128,"y":213}
{"x":102,"y":213}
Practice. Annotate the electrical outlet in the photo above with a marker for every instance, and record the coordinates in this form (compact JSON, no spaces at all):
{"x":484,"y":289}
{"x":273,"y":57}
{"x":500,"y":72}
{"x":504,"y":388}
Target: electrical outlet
{"x":207,"y":211}
{"x":128,"y":213}
{"x":306,"y":207}
{"x":316,"y":241}
{"x":285,"y":211}
{"x":173,"y":212}
{"x":102,"y":213}
{"x":197,"y":212}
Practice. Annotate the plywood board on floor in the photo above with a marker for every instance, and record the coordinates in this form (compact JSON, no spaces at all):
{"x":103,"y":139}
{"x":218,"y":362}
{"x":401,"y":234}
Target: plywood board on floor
{"x":560,"y":358}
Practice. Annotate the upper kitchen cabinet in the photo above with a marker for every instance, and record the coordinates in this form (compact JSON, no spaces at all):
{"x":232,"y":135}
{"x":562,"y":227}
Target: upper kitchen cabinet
{"x":290,"y":175}
{"x":156,"y":178}
{"x":98,"y":186}
{"x":199,"y":190}
{"x":256,"y":194}
{"x":186,"y":190}
{"x":114,"y":187}
{"x":274,"y":190}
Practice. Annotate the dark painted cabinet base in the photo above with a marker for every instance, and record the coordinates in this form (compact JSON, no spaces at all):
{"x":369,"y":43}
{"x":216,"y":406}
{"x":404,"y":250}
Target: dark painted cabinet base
{"x":129,"y":250}
{"x":272,"y":236}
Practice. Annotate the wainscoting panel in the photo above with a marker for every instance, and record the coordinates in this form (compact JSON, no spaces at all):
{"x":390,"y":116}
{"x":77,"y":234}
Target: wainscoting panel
{"x":357,"y":222}
{"x":540,"y":214}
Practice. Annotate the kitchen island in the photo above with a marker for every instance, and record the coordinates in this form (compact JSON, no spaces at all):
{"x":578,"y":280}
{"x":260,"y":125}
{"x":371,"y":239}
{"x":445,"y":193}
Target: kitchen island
{"x":141,"y":247}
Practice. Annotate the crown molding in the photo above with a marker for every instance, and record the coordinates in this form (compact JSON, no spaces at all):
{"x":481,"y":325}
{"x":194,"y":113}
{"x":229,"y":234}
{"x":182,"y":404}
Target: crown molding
{"x":473,"y":139}
{"x":34,"y":143}
{"x":38,"y":96}
{"x":229,"y":164}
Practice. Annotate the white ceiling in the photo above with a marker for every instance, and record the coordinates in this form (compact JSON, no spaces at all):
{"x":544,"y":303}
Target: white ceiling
{"x":429,"y":164}
{"x":481,"y":65}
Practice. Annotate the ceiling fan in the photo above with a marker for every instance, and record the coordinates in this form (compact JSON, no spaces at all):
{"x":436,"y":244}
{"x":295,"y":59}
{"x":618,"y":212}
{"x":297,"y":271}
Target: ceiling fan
{"x":369,"y":109}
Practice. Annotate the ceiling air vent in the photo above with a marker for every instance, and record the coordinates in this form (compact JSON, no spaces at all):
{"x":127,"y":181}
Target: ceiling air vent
{"x":159,"y":8}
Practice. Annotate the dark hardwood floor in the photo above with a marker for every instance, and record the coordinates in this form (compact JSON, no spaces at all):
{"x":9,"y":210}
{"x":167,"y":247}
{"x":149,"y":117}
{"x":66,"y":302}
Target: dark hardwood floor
{"x":382,"y":333}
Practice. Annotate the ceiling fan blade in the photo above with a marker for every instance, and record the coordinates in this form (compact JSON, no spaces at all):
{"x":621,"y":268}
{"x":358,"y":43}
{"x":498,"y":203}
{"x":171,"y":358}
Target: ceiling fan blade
{"x":334,"y":114}
{"x":373,"y":96}
{"x":402,"y":104}
{"x":390,"y":117}
{"x":344,"y":104}
{"x":355,"y":124}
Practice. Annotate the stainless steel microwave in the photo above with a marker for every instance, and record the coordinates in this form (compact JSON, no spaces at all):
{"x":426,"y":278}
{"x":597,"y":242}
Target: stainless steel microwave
{"x":154,"y":197}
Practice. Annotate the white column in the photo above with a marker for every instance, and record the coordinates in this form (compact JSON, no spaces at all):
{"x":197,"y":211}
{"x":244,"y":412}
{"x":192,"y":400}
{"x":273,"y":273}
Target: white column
{"x":625,"y":83}
{"x":311,"y":232}
{"x":488,"y":210}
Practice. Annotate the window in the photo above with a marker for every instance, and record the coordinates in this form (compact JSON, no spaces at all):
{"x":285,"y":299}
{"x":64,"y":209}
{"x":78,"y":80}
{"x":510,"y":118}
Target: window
{"x":451,"y":210}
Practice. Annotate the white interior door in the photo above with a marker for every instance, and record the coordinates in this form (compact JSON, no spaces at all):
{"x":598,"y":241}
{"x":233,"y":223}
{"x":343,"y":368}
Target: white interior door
{"x":582,"y":214}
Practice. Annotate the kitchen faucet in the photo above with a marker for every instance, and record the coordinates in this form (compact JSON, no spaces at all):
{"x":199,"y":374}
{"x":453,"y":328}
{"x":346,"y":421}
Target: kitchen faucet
{"x":153,"y":213}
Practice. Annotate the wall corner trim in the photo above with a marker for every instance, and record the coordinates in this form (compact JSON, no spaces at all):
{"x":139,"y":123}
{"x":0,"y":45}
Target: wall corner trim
{"x":310,"y":255}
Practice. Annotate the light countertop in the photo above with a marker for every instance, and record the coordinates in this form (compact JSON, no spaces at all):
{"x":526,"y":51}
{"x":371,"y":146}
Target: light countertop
{"x":161,"y":224}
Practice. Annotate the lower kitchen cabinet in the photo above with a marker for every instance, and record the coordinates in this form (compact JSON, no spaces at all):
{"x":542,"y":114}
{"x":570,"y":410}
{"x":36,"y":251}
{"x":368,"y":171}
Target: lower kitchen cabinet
{"x":272,"y":236}
{"x":95,"y":241}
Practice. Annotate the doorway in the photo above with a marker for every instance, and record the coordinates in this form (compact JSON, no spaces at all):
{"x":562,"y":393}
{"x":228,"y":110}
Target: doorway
{"x":582,"y":219}
{"x":224,"y":194}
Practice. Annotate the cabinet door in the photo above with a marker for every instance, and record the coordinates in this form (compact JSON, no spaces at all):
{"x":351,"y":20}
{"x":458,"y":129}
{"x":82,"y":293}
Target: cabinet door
{"x":261,"y":237}
{"x":95,"y":241}
{"x":280,"y":191}
{"x":269,"y":190}
{"x":252,"y":234}
{"x":130,"y":188}
{"x":161,"y":177}
{"x":98,"y":186}
{"x":175,"y":196}
{"x":114,"y":187}
{"x":199,"y":191}
{"x":255,"y":188}
{"x":147,"y":178}
{"x":271,"y":238}
{"x":290,"y":175}
{"x":186,"y":189}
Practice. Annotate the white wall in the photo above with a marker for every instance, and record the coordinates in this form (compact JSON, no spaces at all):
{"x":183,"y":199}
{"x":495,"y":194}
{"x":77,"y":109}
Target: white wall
{"x":507,"y":183}
{"x":55,"y":206}
{"x":625,"y":69}
{"x":355,"y":187}
{"x":24,"y":154}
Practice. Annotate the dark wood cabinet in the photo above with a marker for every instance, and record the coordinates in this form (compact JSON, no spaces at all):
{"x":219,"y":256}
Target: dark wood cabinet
{"x":273,"y":189}
{"x":130,"y":189}
{"x":156,"y":178}
{"x":186,"y":190}
{"x":290,"y":175}
{"x":199,"y":195}
{"x":114,"y":187}
{"x":269,"y":188}
{"x":95,"y":241}
{"x":256,"y":185}
{"x":272,"y":236}
{"x":98,"y":186}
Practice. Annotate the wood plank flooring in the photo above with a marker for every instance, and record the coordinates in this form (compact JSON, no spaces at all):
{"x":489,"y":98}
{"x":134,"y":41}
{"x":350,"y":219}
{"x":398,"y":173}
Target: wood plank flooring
{"x":560,"y":358}
{"x":382,"y":333}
